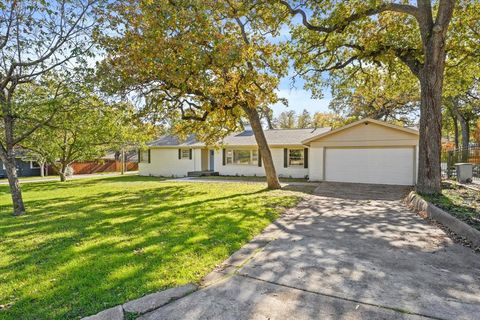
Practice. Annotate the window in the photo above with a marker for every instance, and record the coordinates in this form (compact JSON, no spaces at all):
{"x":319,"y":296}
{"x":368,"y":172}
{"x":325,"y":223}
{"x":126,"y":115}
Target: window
{"x":295,"y":157}
{"x":242,"y":157}
{"x":143,"y":156}
{"x":185,"y":154}
{"x":34,"y":165}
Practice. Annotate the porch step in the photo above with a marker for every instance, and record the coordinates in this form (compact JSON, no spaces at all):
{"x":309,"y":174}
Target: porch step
{"x":202,"y":173}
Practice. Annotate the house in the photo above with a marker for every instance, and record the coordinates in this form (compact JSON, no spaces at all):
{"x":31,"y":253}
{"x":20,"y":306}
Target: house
{"x":25,"y":168}
{"x":366,"y":151}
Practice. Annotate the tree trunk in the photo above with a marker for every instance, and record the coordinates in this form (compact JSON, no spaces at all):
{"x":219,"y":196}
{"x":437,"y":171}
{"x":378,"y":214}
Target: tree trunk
{"x":16,"y":193}
{"x":431,"y":74}
{"x":42,"y":169}
{"x":455,"y":129}
{"x":431,"y":84}
{"x":253,"y":117}
{"x":123,"y":161}
{"x":465,"y":128}
{"x":431,"y":87}
{"x":8,"y":158}
{"x":63,"y":173}
{"x":268,"y":116}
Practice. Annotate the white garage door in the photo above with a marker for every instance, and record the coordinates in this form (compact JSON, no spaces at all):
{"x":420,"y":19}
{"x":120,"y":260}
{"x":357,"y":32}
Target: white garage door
{"x":370,"y":165}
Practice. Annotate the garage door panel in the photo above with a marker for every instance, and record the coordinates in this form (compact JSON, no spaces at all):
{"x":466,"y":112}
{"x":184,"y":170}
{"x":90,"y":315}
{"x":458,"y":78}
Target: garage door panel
{"x":370,"y":165}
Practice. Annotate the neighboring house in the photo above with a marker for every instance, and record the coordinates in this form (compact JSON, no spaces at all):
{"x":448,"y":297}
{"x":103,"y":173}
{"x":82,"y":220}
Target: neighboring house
{"x":25,"y":168}
{"x":366,"y":151}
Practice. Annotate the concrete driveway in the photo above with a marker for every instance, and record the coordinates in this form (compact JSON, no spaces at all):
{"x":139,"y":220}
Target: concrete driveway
{"x":350,"y":252}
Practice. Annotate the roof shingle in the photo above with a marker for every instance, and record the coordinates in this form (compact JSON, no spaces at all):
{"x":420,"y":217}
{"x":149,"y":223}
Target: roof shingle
{"x":246,"y":138}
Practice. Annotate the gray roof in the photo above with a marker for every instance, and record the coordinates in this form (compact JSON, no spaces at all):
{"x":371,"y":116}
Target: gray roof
{"x":274,"y":136}
{"x":174,"y":141}
{"x":246,"y":138}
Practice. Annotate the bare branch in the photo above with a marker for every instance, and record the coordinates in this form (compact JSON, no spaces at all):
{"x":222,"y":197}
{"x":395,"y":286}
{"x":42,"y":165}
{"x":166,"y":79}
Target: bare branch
{"x":395,"y":7}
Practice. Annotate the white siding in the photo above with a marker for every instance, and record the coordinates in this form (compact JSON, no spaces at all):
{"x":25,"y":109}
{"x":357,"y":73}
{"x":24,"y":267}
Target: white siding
{"x":371,"y":153}
{"x":316,"y":163}
{"x":165,"y":163}
{"x":251,"y":170}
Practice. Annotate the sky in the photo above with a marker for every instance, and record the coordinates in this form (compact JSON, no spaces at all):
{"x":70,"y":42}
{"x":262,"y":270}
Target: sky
{"x":299,"y":98}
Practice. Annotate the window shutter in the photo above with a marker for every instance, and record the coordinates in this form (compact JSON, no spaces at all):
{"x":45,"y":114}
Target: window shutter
{"x":223,"y":156}
{"x":259,"y":158}
{"x":148,"y":155}
{"x":305,"y":158}
{"x":190,"y":155}
{"x":179,"y":154}
{"x":139,"y":155}
{"x":285,"y":157}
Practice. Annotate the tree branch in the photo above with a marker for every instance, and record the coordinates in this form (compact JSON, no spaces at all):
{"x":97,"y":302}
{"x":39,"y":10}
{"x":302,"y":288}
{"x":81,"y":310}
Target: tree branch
{"x":395,"y":7}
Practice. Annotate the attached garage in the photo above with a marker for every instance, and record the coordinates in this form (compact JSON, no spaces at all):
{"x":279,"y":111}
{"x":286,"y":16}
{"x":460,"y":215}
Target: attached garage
{"x":367,"y":151}
{"x":370,"y":165}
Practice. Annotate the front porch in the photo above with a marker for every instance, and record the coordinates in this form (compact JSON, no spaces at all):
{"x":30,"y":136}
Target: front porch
{"x":203,"y":173}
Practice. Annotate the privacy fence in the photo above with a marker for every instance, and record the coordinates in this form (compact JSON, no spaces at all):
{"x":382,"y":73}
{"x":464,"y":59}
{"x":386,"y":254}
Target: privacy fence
{"x":86,"y":167}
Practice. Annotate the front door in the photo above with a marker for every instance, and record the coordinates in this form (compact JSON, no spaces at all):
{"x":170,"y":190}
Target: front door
{"x":212,"y":160}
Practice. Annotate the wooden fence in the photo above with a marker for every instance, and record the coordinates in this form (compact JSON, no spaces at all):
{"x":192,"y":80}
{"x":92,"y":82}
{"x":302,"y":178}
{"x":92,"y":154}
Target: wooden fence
{"x":86,"y":167}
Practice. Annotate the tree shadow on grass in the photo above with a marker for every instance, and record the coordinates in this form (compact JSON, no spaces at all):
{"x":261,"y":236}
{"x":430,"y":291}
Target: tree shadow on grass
{"x":74,"y":256}
{"x":75,"y":183}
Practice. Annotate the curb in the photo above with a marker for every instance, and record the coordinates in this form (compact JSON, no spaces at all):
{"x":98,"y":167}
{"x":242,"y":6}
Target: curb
{"x":427,"y":210}
{"x":144,"y":304}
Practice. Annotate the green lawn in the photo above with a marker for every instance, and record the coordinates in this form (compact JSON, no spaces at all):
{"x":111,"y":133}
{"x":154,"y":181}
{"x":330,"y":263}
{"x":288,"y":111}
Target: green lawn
{"x":86,"y":245}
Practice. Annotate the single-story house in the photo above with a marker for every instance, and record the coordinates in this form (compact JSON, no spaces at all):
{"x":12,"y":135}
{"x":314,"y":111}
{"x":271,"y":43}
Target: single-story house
{"x":366,"y":151}
{"x":25,"y":168}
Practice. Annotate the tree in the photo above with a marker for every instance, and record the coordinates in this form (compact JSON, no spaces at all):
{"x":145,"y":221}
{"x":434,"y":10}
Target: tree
{"x":476,"y":132}
{"x":330,"y":119}
{"x":462,"y":101}
{"x":304,"y":120}
{"x":266,"y":113}
{"x":35,"y":38}
{"x":90,"y":128}
{"x":341,"y":34}
{"x":287,"y":120}
{"x":464,"y":112}
{"x":388,"y":94}
{"x":206,"y":62}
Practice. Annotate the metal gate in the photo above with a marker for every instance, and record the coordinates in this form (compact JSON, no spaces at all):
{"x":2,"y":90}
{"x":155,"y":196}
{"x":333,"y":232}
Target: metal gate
{"x":468,"y":155}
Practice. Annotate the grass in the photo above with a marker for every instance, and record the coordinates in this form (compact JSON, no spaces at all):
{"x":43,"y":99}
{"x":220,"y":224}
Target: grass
{"x":87,"y":245}
{"x":50,"y":177}
{"x":250,"y":178}
{"x":31,"y":178}
{"x":460,"y":202}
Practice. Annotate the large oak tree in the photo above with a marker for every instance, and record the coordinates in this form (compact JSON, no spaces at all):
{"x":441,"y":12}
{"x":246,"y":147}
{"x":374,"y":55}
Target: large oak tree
{"x":334,"y":35}
{"x":208,"y":63}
